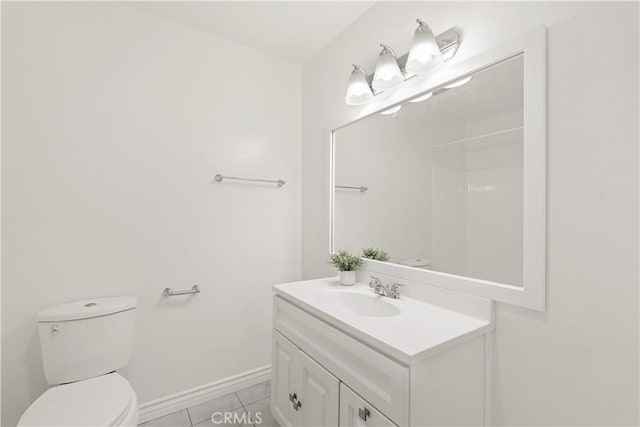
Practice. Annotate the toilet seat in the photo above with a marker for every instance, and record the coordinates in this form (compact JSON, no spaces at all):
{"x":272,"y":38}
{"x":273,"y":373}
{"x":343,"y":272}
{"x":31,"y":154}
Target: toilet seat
{"x":107,"y":400}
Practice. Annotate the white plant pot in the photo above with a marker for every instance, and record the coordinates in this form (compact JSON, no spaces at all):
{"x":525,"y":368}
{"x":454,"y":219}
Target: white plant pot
{"x":348,"y":278}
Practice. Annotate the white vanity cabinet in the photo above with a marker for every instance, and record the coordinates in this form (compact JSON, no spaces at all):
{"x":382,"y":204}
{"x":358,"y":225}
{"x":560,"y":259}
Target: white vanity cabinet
{"x":305,"y":394}
{"x":423,"y":366}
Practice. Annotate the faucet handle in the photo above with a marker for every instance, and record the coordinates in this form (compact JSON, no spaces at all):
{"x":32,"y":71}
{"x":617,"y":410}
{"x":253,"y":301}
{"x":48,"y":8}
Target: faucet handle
{"x":393,"y":290}
{"x":375,"y":281}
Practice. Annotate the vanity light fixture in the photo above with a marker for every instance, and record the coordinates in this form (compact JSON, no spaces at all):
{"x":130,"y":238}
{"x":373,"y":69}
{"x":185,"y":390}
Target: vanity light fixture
{"x":422,"y":98}
{"x":458,"y":83}
{"x":391,"y":110}
{"x":424,"y":54}
{"x":358,"y":89}
{"x":388,"y":74}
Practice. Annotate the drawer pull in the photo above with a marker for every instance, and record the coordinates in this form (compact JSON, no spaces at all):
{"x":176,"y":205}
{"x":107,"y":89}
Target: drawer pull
{"x":364,"y":414}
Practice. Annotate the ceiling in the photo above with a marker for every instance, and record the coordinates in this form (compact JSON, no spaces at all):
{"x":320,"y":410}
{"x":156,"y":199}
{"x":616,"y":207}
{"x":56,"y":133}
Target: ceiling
{"x":294,"y":31}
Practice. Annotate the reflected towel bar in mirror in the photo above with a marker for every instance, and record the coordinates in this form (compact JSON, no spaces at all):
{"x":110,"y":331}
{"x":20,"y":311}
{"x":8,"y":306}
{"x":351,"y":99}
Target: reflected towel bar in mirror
{"x":168,"y":292}
{"x":278,"y":182}
{"x":348,"y":187}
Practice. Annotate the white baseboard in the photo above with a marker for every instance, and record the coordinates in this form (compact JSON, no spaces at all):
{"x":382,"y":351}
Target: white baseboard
{"x":185,"y":399}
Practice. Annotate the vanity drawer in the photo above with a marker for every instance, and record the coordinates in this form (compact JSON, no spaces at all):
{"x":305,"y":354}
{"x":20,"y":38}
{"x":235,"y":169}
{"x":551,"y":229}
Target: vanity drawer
{"x":378,"y":379}
{"x":357,"y":412}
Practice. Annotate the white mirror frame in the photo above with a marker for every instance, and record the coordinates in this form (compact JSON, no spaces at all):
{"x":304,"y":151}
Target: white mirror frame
{"x":533,"y":46}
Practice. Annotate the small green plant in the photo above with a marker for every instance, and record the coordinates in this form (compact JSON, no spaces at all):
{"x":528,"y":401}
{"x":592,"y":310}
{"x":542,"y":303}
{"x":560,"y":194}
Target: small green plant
{"x":345,"y":261}
{"x":375,"y":253}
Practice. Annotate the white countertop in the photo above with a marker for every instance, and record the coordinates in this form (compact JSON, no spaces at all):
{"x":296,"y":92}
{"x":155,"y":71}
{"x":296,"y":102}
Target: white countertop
{"x":415,"y":331}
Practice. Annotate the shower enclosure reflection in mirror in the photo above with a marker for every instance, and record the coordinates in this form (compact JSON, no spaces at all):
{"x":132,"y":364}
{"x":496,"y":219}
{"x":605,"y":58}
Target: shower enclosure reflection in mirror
{"x":455,"y":170}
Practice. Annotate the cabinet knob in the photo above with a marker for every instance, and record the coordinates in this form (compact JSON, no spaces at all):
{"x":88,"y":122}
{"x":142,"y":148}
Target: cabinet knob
{"x":293,"y":398}
{"x":364,"y":414}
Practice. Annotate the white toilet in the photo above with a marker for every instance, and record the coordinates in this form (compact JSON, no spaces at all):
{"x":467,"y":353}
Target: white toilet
{"x":83,"y":343}
{"x":417,"y":262}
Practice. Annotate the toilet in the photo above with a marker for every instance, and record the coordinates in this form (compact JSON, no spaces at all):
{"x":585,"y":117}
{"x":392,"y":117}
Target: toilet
{"x":417,"y":262}
{"x":83,"y":343}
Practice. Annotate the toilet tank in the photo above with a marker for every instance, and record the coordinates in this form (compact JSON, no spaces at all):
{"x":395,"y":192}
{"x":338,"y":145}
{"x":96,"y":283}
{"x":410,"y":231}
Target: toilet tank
{"x":85,"y":339}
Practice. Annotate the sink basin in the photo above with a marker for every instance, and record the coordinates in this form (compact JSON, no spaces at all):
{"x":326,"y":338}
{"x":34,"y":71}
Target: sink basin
{"x":366,"y":305}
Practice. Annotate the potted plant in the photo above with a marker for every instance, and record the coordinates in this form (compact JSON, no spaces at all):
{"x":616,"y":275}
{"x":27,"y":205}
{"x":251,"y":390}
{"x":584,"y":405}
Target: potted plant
{"x":347,"y":264}
{"x":376,"y":254}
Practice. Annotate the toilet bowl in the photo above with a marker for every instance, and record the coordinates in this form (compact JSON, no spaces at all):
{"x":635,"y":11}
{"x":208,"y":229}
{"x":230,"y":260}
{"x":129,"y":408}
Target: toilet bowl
{"x":107,"y":400}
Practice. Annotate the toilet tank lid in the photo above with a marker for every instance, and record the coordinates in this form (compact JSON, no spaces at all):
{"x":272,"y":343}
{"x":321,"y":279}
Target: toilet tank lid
{"x":416,"y":262}
{"x":86,"y":309}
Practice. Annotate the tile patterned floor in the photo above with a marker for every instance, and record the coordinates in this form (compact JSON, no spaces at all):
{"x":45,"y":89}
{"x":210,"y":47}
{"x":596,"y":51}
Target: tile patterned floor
{"x":244,"y":404}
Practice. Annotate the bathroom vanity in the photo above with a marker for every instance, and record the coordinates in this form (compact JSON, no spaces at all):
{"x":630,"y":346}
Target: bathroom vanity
{"x":448,"y":177}
{"x":344,"y":356}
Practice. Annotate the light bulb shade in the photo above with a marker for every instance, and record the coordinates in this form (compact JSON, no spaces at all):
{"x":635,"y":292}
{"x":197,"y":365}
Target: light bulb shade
{"x":358,"y":90}
{"x":422,"y":97}
{"x":424,"y":54}
{"x":388,"y":74}
{"x":390,"y":111}
{"x":458,"y":83}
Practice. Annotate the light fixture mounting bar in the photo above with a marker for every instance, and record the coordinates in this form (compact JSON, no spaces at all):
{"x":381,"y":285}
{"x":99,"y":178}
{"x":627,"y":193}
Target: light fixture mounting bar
{"x":448,"y":42}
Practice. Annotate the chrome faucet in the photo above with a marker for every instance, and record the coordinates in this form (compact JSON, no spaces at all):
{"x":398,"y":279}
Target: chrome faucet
{"x":394,"y":292}
{"x":380,"y":289}
{"x":377,"y":286}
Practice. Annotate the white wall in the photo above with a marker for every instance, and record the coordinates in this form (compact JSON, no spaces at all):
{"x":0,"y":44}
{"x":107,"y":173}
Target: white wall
{"x":114,"y":123}
{"x":576,"y":364}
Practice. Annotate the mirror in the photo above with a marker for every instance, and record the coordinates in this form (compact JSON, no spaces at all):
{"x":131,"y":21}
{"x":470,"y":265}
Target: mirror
{"x":448,"y":175}
{"x":438,"y":184}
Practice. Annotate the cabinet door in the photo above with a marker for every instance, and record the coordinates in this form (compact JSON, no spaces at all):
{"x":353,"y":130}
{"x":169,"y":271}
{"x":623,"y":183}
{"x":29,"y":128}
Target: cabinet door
{"x":285,"y":371}
{"x":319,"y":395}
{"x":357,"y":412}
